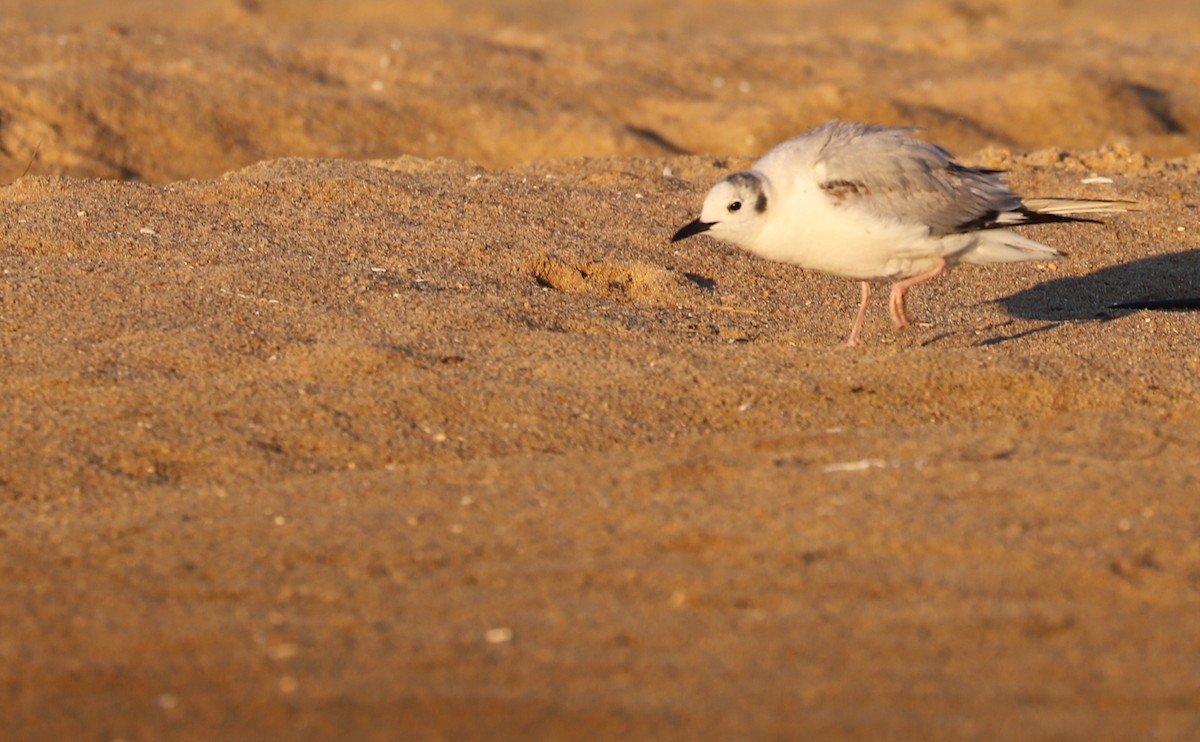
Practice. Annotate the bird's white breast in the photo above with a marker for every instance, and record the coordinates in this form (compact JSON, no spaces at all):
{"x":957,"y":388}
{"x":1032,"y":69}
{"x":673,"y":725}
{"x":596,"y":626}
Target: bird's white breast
{"x":807,"y":227}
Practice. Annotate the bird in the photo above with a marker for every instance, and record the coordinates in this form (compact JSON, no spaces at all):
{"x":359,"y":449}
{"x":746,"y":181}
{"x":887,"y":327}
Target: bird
{"x":872,"y":202}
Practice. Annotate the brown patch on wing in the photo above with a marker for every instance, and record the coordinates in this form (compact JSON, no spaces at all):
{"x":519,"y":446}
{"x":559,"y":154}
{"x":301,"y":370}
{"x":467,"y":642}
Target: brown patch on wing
{"x":840,"y":190}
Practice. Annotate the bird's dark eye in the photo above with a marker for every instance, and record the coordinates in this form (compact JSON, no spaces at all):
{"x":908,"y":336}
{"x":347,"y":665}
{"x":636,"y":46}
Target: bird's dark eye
{"x":735,"y":205}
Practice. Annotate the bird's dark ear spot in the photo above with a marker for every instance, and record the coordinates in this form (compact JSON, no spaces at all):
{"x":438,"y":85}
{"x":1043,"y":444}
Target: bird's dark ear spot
{"x":761,"y":204}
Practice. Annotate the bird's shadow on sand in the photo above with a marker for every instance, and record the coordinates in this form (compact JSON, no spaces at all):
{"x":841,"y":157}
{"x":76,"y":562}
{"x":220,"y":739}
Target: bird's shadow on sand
{"x":1172,"y":276}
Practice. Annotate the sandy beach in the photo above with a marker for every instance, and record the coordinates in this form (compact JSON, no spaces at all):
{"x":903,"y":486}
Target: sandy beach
{"x":352,"y":388}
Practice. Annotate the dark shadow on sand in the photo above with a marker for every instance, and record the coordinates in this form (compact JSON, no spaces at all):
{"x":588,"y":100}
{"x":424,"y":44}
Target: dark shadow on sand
{"x":1160,"y":282}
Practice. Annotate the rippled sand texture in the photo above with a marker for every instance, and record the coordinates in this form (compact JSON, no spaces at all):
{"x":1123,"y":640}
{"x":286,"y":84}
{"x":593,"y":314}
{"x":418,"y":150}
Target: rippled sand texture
{"x":352,"y":389}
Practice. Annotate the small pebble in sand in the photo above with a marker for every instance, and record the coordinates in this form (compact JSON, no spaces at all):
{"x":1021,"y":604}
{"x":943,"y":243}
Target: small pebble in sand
{"x":500,"y":635}
{"x":860,"y":465}
{"x":283,"y":651}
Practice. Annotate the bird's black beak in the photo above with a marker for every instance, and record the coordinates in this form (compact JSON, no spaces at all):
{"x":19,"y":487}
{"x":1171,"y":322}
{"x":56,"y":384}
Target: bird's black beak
{"x":691,"y":228}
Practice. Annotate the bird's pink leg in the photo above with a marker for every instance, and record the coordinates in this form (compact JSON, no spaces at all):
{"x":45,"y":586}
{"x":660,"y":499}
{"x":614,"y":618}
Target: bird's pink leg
{"x":854,"y":339}
{"x":896,"y":300}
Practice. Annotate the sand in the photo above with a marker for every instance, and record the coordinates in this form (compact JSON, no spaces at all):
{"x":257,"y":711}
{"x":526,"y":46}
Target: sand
{"x":352,"y":388}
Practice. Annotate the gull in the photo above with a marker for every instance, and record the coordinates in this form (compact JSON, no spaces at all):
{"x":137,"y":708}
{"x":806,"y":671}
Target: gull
{"x":872,"y":203}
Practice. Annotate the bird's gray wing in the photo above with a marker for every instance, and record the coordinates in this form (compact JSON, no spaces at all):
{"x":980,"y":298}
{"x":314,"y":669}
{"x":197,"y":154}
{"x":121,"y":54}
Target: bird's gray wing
{"x":896,"y":177}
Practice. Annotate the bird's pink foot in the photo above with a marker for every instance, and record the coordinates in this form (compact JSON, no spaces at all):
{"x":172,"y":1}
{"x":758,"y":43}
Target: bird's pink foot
{"x":896,"y":306}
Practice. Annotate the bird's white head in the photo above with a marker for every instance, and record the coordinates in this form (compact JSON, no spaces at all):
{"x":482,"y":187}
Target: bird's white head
{"x":734,"y":211}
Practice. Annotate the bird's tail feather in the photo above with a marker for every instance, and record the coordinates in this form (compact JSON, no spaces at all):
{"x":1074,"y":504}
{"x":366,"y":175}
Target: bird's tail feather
{"x":1064,"y":206}
{"x":1003,"y":246}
